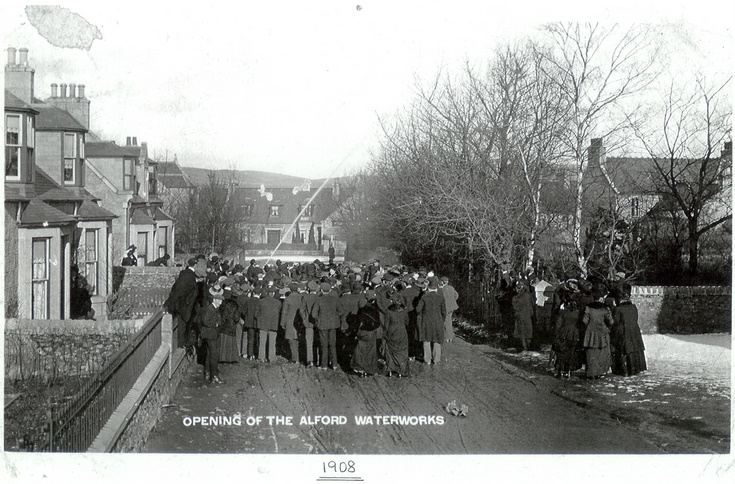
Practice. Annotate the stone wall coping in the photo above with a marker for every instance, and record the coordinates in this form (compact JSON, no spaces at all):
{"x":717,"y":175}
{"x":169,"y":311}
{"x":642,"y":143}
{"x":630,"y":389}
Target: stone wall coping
{"x":681,"y":290}
{"x":82,"y":325}
{"x":152,"y":269}
{"x":116,"y":424}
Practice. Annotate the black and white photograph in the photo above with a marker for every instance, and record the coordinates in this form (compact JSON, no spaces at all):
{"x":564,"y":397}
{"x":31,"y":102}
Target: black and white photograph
{"x":368,"y":241}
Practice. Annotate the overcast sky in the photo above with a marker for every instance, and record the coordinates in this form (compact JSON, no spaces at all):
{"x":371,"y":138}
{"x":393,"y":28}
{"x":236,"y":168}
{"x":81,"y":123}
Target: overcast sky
{"x":296,"y":87}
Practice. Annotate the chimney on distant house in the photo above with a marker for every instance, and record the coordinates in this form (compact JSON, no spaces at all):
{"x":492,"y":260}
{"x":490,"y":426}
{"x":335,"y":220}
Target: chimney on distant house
{"x":19,"y":77}
{"x":63,"y":90}
{"x":595,"y":154}
{"x":80,"y":94}
{"x":127,"y":141}
{"x":135,"y":141}
{"x":54,"y":90}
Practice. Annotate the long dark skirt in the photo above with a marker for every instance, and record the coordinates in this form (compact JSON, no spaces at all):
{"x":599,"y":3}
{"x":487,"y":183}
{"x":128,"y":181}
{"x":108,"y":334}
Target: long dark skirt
{"x":365,"y":357}
{"x":229,"y":351}
{"x":598,"y":361}
{"x":396,"y":349}
{"x":629,"y":364}
{"x":567,"y":355}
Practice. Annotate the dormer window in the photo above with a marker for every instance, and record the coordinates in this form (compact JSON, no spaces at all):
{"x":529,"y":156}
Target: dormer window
{"x":309,"y":212}
{"x":70,"y":158}
{"x":13,"y":143}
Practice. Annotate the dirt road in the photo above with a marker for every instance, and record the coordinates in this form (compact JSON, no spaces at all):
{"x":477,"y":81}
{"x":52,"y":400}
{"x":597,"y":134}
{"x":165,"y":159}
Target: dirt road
{"x":507,"y":412}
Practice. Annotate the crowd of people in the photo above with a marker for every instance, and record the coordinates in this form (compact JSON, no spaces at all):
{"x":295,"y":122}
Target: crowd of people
{"x":594,"y":324}
{"x":364,"y":318}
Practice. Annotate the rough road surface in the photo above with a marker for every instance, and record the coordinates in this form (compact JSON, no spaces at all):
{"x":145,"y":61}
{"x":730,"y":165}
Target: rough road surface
{"x":508,"y":412}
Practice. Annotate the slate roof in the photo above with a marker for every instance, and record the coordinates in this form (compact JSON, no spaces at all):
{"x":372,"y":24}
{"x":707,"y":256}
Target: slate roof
{"x":52,"y":118}
{"x":106,"y":149}
{"x":91,"y":211}
{"x":14,"y":103}
{"x":171,"y":176}
{"x":288,"y":203}
{"x":47,"y":189}
{"x":39,"y":213}
{"x":140,"y":217}
{"x":161,"y":215}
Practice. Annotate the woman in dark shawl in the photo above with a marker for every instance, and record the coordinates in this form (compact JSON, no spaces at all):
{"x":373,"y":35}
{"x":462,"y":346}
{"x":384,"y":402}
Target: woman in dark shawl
{"x":522,"y":314}
{"x":566,"y":337}
{"x":230,"y":313}
{"x":365,"y":357}
{"x":396,"y":339}
{"x":627,"y":343}
{"x":597,"y":320}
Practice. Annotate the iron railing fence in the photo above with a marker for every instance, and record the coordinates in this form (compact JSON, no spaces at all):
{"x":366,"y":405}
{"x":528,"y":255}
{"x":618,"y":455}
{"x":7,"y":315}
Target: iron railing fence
{"x":73,"y":426}
{"x":141,"y":301}
{"x":477,"y":302}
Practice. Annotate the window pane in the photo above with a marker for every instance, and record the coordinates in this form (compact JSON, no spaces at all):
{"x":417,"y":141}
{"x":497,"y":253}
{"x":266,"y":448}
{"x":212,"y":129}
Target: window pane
{"x":69,"y":142}
{"x":12,"y":161}
{"x":90,"y":243}
{"x":31,"y":133}
{"x":12,"y":130}
{"x":40,"y":300}
{"x":69,"y":169}
{"x":39,"y":259}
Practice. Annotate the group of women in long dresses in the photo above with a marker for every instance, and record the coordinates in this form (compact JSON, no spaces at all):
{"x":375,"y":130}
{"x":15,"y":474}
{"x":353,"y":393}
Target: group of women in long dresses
{"x":597,"y":329}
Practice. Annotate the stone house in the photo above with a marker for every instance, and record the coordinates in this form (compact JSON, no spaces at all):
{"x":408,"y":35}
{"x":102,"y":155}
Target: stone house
{"x":126,"y":180}
{"x":274,"y":215}
{"x":53,"y":224}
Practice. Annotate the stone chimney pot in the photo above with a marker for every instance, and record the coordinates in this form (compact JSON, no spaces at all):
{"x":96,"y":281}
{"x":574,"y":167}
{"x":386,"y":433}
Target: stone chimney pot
{"x":54,"y":90}
{"x":63,"y":90}
{"x":72,"y":90}
{"x":23,"y":56}
{"x":11,"y":56}
{"x":81,"y":91}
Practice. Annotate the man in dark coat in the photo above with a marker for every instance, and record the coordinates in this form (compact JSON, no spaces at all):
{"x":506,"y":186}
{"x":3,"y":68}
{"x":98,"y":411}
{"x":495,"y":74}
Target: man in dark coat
{"x":267,"y":314}
{"x":307,"y":304}
{"x":248,"y":303}
{"x":410,"y":296}
{"x":326,"y":314}
{"x":290,"y":318}
{"x":431,"y":312}
{"x":181,"y":300}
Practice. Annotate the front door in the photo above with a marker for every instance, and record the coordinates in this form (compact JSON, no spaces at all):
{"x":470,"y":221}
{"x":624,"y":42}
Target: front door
{"x":273,"y":237}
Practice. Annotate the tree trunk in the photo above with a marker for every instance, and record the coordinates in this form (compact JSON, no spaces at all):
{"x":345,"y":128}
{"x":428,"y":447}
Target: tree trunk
{"x":693,"y":248}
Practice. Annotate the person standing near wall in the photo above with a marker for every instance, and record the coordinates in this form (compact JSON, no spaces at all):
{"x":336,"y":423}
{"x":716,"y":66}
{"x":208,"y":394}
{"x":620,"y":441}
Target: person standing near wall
{"x":210,"y":322}
{"x":431,"y":313}
{"x":450,"y":297}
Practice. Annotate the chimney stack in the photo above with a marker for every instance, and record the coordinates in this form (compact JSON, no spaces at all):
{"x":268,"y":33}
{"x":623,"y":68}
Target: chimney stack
{"x":72,"y":90}
{"x":63,"y":90}
{"x":596,"y":153}
{"x":81,"y":91}
{"x":135,"y":141}
{"x":54,"y":90}
{"x":19,"y":78}
{"x":127,"y":141}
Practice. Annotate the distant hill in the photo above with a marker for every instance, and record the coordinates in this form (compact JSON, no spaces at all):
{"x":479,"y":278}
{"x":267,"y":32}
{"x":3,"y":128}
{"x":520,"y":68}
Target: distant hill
{"x":250,"y":178}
